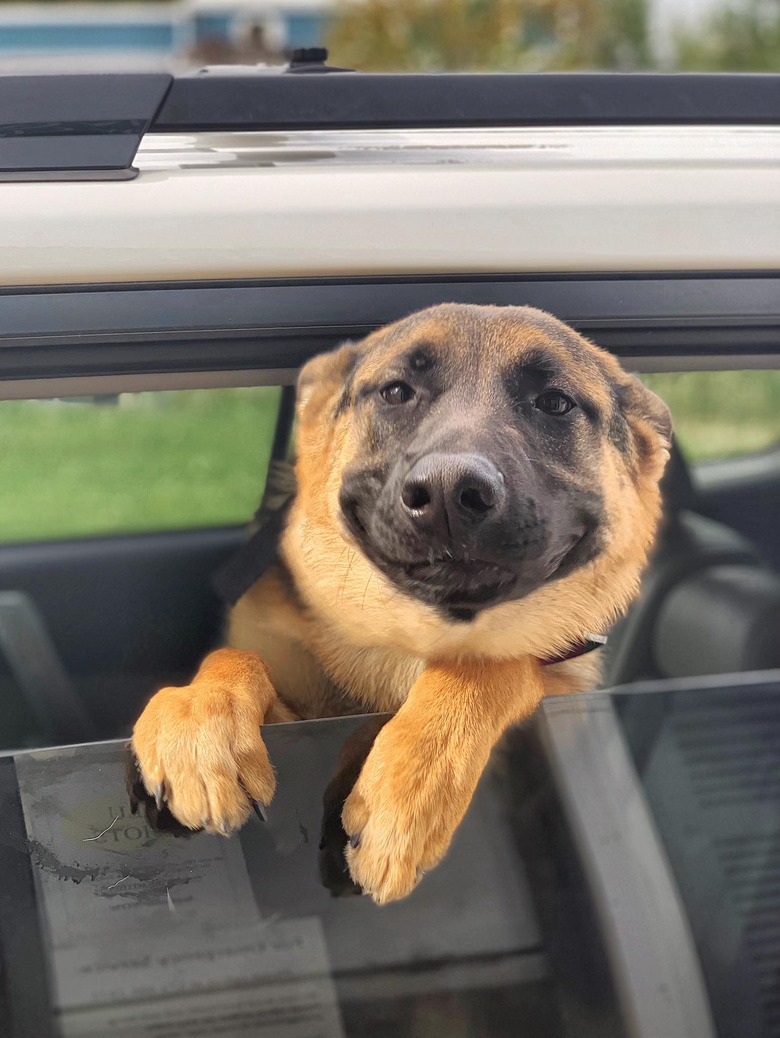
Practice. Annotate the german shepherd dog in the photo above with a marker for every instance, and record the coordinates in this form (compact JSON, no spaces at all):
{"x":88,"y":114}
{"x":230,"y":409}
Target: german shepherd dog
{"x":477,"y":490}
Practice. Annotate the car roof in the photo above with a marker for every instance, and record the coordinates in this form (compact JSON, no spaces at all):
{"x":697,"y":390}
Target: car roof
{"x":335,"y":202}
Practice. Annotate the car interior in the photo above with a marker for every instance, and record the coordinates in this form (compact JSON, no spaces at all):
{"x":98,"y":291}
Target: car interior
{"x":93,"y":623}
{"x":89,"y":628}
{"x":616,"y":872}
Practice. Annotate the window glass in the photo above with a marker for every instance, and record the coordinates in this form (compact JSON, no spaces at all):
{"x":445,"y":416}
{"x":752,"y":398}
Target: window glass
{"x":175,"y":460}
{"x":721,"y":414}
{"x":133,"y":462}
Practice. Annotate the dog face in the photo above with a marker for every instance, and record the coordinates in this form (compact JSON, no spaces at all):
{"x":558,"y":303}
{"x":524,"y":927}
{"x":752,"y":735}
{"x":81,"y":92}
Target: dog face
{"x":482,"y":464}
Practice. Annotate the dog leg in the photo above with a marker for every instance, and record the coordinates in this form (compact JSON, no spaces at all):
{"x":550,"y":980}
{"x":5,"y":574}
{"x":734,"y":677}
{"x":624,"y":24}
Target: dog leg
{"x":199,"y":747}
{"x":420,"y":776}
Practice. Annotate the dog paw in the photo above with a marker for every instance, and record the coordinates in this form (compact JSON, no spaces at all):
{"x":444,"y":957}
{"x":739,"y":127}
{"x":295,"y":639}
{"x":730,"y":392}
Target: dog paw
{"x":334,"y":872}
{"x":158,"y":817}
{"x":400,"y":817}
{"x":200,"y":752}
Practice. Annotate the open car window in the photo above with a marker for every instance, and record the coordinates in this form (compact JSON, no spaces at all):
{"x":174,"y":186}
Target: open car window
{"x":133,"y":462}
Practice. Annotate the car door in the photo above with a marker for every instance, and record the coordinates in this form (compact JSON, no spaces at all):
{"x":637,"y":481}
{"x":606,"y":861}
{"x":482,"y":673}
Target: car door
{"x":112,"y":611}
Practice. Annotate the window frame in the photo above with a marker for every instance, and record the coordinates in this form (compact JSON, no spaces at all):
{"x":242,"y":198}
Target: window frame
{"x":70,"y":340}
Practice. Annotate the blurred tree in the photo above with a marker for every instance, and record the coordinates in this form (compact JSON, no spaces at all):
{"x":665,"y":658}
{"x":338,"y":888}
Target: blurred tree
{"x":497,"y":35}
{"x":741,"y":37}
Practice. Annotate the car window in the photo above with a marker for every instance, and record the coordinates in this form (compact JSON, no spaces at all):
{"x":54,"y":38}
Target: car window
{"x":721,"y":414}
{"x":133,"y":462}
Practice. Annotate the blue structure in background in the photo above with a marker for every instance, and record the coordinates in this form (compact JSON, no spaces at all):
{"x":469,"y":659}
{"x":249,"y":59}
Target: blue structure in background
{"x":167,"y":32}
{"x":305,"y":29}
{"x":211,"y":26}
{"x":86,"y":36}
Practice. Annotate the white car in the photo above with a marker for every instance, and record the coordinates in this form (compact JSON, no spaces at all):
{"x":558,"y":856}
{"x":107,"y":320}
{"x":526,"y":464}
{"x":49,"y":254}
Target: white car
{"x":171,"y":251}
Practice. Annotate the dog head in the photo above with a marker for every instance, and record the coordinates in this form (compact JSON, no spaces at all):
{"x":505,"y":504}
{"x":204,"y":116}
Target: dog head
{"x":474,"y":479}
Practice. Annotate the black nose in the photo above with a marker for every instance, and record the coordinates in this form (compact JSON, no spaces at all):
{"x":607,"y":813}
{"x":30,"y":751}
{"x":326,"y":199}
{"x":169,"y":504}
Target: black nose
{"x":446,"y":492}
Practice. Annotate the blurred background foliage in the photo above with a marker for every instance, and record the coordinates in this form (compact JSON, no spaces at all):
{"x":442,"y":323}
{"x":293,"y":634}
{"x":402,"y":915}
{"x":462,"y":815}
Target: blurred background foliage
{"x":411,"y":35}
{"x":548,"y":35}
{"x":739,"y":37}
{"x":496,"y":35}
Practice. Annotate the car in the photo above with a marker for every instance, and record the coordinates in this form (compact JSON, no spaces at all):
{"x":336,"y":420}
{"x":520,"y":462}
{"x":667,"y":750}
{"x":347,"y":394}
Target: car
{"x":173,"y":249}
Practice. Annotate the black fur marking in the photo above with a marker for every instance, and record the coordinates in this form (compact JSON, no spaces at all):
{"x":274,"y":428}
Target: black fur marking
{"x":421,"y":358}
{"x":617,"y":429}
{"x":344,"y":401}
{"x":538,"y":366}
{"x":288,"y":582}
{"x":537,"y":373}
{"x":353,"y":356}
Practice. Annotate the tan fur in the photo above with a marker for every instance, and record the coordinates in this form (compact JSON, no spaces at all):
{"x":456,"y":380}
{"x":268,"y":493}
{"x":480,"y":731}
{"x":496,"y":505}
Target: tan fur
{"x":341,"y":638}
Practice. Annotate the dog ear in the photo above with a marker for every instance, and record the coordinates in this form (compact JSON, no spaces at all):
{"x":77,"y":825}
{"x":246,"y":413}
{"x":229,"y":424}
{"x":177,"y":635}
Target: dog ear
{"x":323,"y":375}
{"x":650,"y":420}
{"x":650,"y":407}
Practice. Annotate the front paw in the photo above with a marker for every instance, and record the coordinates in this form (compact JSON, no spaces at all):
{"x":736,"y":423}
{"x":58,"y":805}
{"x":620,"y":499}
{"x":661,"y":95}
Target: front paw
{"x":199,"y":750}
{"x":333,"y":838}
{"x":401,"y":815}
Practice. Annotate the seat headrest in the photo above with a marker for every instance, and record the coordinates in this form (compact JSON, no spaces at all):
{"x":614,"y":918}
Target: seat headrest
{"x":720,"y":620}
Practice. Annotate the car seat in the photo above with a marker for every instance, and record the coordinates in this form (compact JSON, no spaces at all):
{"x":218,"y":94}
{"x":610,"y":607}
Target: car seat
{"x":708,"y":605}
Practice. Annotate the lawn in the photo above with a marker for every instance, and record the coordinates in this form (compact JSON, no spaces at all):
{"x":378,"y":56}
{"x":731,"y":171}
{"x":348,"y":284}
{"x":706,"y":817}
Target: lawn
{"x":150,"y":461}
{"x":722,"y":414}
{"x":155,"y":461}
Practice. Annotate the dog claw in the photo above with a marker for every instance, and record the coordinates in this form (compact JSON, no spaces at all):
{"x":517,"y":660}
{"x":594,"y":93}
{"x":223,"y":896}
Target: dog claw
{"x":225,"y":829}
{"x":259,"y":809}
{"x":159,"y":796}
{"x":354,"y":841}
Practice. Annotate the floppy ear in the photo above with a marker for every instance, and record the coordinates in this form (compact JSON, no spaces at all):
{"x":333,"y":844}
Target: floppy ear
{"x":322,"y":376}
{"x":654,"y":411}
{"x":650,"y":420}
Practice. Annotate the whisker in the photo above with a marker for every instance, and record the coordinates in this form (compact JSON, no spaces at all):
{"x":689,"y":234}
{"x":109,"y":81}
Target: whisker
{"x":393,"y":594}
{"x":363,"y":602}
{"x":437,"y":640}
{"x":346,"y":575}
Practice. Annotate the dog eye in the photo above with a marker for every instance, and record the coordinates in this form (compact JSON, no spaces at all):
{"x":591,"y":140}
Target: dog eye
{"x":396,"y":393}
{"x":554,"y":402}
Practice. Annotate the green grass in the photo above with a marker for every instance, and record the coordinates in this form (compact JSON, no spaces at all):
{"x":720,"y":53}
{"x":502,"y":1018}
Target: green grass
{"x":154,"y":461}
{"x":722,"y":414}
{"x":158,"y":461}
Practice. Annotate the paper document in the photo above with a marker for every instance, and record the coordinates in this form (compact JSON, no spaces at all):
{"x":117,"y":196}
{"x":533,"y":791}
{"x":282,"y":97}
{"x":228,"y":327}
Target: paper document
{"x":152,"y":934}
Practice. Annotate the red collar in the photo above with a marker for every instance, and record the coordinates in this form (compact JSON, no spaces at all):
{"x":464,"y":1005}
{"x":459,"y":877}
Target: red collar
{"x":588,"y":644}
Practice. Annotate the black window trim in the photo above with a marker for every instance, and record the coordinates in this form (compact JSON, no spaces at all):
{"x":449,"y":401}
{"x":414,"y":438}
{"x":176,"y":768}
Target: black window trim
{"x":150,"y":329}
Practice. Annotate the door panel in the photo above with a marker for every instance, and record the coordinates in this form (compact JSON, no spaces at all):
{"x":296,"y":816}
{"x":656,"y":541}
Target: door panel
{"x":744,"y":493}
{"x":125,"y":615}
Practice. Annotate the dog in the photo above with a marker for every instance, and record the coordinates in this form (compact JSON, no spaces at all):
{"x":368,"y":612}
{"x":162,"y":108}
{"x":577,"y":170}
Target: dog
{"x":477,"y":492}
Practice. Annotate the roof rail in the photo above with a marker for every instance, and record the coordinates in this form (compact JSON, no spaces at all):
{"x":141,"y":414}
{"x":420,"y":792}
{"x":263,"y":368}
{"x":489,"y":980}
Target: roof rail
{"x":74,"y":127}
{"x":90,"y":126}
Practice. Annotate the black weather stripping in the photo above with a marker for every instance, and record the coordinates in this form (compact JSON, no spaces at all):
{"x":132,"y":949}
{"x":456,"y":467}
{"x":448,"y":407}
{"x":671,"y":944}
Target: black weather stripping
{"x":75,"y":127}
{"x":127,"y":330}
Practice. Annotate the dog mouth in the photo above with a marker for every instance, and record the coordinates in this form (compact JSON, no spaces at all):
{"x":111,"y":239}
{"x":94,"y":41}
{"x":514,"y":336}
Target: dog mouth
{"x":472,"y":579}
{"x":460,"y":584}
